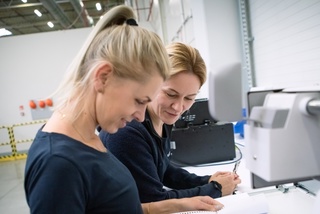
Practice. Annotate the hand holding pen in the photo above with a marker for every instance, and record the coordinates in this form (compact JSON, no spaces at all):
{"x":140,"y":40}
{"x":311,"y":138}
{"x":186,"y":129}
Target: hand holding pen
{"x":228,"y":181}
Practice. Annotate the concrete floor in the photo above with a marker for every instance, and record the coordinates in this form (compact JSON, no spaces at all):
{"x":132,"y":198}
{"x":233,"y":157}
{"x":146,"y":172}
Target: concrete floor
{"x":12,"y":196}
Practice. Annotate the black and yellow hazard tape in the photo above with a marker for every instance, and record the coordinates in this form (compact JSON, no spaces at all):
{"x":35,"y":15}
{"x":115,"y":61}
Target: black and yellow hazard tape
{"x":7,"y":158}
{"x":5,"y":144}
{"x":13,"y":143}
{"x":29,"y":123}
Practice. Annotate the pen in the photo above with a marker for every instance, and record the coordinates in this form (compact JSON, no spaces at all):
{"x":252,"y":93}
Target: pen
{"x":236,"y":165}
{"x":235,"y":168}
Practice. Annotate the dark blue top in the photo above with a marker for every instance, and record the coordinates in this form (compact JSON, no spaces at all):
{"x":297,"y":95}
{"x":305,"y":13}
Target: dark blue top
{"x":147,"y":156}
{"x":63,"y":175}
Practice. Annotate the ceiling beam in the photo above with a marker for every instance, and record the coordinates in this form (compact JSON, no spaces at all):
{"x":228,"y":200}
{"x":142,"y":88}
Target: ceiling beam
{"x":82,"y":12}
{"x":20,"y":6}
{"x":54,"y":9}
{"x":26,"y":25}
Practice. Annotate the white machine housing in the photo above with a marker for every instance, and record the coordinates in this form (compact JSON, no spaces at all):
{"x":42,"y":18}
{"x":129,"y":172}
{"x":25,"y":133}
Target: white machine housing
{"x":282,"y":137}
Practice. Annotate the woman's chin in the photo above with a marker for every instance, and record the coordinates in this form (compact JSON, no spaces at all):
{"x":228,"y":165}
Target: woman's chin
{"x":112,"y":130}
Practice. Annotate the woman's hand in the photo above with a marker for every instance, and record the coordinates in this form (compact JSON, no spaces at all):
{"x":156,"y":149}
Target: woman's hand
{"x":228,"y":181}
{"x":181,"y":205}
{"x":199,"y":203}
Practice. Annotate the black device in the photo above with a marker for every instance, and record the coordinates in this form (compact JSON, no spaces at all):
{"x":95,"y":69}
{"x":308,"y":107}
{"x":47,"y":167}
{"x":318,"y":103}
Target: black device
{"x":198,"y":139}
{"x":198,"y":114}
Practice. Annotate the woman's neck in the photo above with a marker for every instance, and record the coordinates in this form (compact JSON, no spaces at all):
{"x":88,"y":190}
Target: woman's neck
{"x":82,"y":128}
{"x":156,"y":121}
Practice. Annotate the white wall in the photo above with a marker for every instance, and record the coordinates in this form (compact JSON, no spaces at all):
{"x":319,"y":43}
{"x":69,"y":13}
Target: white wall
{"x":179,"y":21}
{"x":31,"y":67}
{"x":286,"y":45}
{"x":217,"y":33}
{"x":154,"y":23}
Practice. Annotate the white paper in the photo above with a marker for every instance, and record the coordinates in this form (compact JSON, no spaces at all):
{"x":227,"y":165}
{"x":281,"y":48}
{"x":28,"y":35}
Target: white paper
{"x":239,"y":203}
{"x":243,"y":203}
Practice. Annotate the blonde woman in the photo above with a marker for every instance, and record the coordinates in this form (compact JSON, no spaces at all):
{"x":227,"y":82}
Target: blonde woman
{"x":115,"y":75}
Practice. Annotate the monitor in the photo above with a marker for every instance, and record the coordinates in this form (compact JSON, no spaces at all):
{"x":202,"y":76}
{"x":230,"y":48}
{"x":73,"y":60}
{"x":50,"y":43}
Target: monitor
{"x":225,"y":93}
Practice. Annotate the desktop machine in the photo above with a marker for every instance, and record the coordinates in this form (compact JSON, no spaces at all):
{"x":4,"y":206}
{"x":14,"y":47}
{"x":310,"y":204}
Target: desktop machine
{"x":282,"y":130}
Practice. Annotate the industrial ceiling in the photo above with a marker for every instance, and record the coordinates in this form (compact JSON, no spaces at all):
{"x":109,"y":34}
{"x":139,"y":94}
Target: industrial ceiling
{"x":19,"y":18}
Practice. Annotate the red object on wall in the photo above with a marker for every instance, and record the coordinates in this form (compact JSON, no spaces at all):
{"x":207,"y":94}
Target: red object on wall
{"x":32,"y":104}
{"x":41,"y":104}
{"x":49,"y":102}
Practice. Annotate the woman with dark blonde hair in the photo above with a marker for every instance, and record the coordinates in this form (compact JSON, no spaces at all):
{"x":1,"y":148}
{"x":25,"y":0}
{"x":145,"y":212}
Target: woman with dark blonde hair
{"x":115,"y":75}
{"x":145,"y":147}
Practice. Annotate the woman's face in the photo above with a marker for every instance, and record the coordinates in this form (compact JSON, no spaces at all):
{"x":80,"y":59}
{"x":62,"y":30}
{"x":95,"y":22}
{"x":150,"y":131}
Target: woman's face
{"x":124,"y":100}
{"x":177,"y":95}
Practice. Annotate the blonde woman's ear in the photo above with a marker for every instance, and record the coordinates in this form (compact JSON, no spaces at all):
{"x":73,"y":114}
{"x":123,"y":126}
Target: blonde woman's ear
{"x":101,"y":76}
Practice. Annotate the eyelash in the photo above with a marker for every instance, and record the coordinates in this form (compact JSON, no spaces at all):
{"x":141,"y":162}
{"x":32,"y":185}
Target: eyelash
{"x":173,"y":95}
{"x":140,"y":102}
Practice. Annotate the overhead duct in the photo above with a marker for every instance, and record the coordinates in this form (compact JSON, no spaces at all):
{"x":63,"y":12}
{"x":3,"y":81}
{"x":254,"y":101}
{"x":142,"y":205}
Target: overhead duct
{"x":56,"y":12}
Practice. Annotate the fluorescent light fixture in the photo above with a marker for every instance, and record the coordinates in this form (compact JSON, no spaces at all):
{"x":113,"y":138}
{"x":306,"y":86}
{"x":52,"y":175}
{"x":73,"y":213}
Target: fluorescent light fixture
{"x":98,"y":6}
{"x":37,"y":12}
{"x":50,"y":24}
{"x":81,"y":3}
{"x":24,"y":1}
{"x":4,"y":32}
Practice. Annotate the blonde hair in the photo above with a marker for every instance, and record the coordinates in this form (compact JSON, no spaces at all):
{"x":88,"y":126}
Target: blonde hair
{"x":184,"y":58}
{"x":133,"y":52}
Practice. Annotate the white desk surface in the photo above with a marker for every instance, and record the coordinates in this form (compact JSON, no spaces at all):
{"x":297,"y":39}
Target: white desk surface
{"x":294,"y":201}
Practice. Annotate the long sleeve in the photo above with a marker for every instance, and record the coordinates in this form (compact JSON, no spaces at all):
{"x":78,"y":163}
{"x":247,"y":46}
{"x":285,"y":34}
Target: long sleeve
{"x":136,"y":148}
{"x":132,"y":149}
{"x":179,"y":178}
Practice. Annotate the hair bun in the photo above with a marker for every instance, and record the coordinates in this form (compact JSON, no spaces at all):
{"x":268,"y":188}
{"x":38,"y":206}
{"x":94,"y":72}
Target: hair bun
{"x":131,"y":22}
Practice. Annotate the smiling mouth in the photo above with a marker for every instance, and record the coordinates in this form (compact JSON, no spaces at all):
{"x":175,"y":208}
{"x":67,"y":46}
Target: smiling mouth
{"x":173,"y":114}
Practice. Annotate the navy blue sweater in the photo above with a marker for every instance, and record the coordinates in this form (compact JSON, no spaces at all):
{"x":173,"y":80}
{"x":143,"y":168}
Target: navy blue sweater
{"x":63,"y":175}
{"x":147,"y":156}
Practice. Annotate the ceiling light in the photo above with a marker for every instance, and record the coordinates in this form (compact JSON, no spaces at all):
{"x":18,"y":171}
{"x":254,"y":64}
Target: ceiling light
{"x":4,"y":32}
{"x":50,"y":24}
{"x":98,"y":6}
{"x":37,"y":12}
{"x":24,"y":1}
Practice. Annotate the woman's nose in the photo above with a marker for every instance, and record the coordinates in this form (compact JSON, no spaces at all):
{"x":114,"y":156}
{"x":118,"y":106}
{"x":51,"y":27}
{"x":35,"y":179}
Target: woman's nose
{"x":139,"y":115}
{"x":177,"y":106}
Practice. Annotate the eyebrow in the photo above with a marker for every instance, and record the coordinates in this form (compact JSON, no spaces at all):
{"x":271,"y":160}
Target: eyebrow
{"x":179,"y":93}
